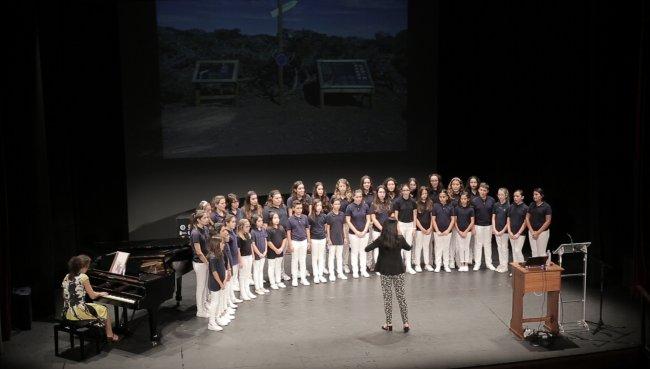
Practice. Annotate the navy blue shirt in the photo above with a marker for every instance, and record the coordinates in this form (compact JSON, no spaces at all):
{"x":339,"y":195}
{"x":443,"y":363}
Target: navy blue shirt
{"x":305,"y":201}
{"x":216,"y":265}
{"x":369,"y":198}
{"x":500,"y":212}
{"x":336,"y":222}
{"x":317,"y":227}
{"x":199,"y":236}
{"x":538,"y":214}
{"x":344,"y":204}
{"x":275,"y":236}
{"x":381,"y":215}
{"x":298,"y":227}
{"x":483,"y":210}
{"x":281,"y":211}
{"x":443,"y":215}
{"x":405,"y":209}
{"x":259,"y":237}
{"x":424,"y":217}
{"x":517,"y":215}
{"x":463,"y":217}
{"x":239,"y":214}
{"x":234,"y":248}
{"x":357,"y":214}
{"x":433,"y":195}
{"x":216,"y":218}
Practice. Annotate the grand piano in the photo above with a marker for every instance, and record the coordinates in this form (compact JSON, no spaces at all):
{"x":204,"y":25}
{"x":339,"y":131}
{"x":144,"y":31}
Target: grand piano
{"x":154,"y":270}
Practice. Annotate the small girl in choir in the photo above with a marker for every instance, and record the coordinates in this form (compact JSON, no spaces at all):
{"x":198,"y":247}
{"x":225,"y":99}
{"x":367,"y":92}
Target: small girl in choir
{"x":336,"y":238}
{"x":379,"y":212}
{"x":357,"y":216}
{"x":343,"y":192}
{"x":275,"y":204}
{"x":405,"y":210}
{"x":252,"y":206}
{"x":517,"y":225}
{"x":391,"y":188}
{"x":298,"y":234}
{"x":230,"y":223}
{"x":232,"y":206}
{"x":443,"y":225}
{"x":463,"y":223}
{"x":454,"y":189}
{"x":218,"y":209}
{"x":245,"y":243}
{"x":538,"y":221}
{"x":320,"y":194}
{"x":259,"y":236}
{"x":499,"y":227}
{"x":199,"y":239}
{"x":367,"y":189}
{"x":472,"y":187}
{"x":277,"y":243}
{"x":413,"y":186}
{"x":216,"y":278}
{"x":226,"y":308}
{"x":298,"y":193}
{"x":424,"y":228}
{"x":317,"y":241}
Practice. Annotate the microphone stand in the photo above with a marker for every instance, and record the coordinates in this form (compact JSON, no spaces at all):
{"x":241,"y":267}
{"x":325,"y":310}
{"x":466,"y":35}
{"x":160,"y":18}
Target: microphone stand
{"x":600,"y":325}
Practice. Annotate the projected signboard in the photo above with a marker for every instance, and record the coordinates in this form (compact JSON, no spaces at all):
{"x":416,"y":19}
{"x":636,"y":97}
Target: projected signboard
{"x":215,"y":80}
{"x":344,"y":76}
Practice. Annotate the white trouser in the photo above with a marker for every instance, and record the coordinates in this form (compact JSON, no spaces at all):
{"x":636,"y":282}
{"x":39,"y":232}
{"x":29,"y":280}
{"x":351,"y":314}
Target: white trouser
{"x":538,"y":246}
{"x":258,"y":273}
{"x":422,"y":243}
{"x":201,"y":270}
{"x":275,"y":270}
{"x":346,"y":255}
{"x":358,"y":252}
{"x":432,"y":247}
{"x":502,"y":248}
{"x":318,"y":257}
{"x":442,"y":247}
{"x":225,"y":298}
{"x":299,"y":260}
{"x":453,"y":248}
{"x":517,"y":247}
{"x":463,"y":248}
{"x":483,"y":243}
{"x":406,"y":229}
{"x":216,"y":301}
{"x":235,"y":276}
{"x":245,"y":268}
{"x":335,"y":251}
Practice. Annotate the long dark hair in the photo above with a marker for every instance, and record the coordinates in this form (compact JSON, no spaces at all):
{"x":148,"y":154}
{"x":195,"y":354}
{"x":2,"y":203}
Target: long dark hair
{"x":76,"y":263}
{"x":378,"y":205}
{"x":389,"y":237}
{"x":428,"y":204}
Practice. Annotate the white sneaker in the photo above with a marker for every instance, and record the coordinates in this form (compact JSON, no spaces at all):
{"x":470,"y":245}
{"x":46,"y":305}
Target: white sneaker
{"x":355,"y":275}
{"x":259,"y":292}
{"x":233,"y":306}
{"x":332,"y":278}
{"x":235,"y":288}
{"x":203,"y":315}
{"x":214,"y":327}
{"x":365,"y":274}
{"x":410,"y":271}
{"x":274,"y":287}
{"x":282,"y":285}
{"x":377,"y":273}
{"x":251,"y":295}
{"x":286,"y":277}
{"x":491,"y":267}
{"x":237,"y":301}
{"x":305,"y":282}
{"x":316,"y":280}
{"x":265,"y":290}
{"x":477,"y":267}
{"x":447,"y":270}
{"x":418,"y":268}
{"x":346,"y":269}
{"x":231,"y":311}
{"x":452,"y":265}
{"x":222,"y":322}
{"x":322,"y":279}
{"x":294,"y":283}
{"x":437,"y":270}
{"x":246,"y":298}
{"x":251,"y":283}
{"x":342,"y":276}
{"x":429,"y":268}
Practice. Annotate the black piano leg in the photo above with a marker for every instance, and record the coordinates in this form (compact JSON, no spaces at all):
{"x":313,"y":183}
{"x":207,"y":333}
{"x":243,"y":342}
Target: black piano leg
{"x":118,"y":324}
{"x":153,"y":326}
{"x":179,"y":285}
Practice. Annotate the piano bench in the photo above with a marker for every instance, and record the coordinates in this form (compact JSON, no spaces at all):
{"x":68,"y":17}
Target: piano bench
{"x":84,"y":330}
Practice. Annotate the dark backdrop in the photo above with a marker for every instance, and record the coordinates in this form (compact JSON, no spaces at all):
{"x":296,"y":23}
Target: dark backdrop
{"x":543,"y":93}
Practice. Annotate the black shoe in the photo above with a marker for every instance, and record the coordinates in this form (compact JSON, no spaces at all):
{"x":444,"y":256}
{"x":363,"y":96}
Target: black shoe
{"x":406,"y":329}
{"x":387,"y":327}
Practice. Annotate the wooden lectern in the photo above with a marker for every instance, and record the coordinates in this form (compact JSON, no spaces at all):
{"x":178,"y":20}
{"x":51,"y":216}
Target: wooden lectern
{"x":526,"y":280}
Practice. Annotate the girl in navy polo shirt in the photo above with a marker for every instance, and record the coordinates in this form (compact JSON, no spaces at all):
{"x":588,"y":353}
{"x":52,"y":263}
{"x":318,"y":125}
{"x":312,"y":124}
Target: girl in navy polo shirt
{"x":252,"y":206}
{"x":343,"y":192}
{"x":298,"y":193}
{"x":357,"y":216}
{"x":217,"y":277}
{"x":218,"y":209}
{"x":454,"y":189}
{"x":391,"y":188}
{"x":336,"y":239}
{"x":298,"y":234}
{"x":226,"y":307}
{"x":317,"y":239}
{"x":517,"y":225}
{"x":483,"y":208}
{"x":232,"y":206}
{"x":413,"y":186}
{"x":499,"y":227}
{"x":245,"y":243}
{"x":235,"y":256}
{"x":320,"y":194}
{"x":472,"y":187}
{"x":463,"y":223}
{"x":379,"y":212}
{"x":260,"y":250}
{"x":424,"y":229}
{"x":538,"y":222}
{"x":435,"y":186}
{"x":277,"y":243}
{"x":443,"y":225}
{"x":275,"y":204}
{"x":368,"y":196}
{"x":405,"y":210}
{"x":199,"y":236}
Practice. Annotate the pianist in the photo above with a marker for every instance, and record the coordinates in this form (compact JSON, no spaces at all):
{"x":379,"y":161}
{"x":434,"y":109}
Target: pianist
{"x":75,"y":287}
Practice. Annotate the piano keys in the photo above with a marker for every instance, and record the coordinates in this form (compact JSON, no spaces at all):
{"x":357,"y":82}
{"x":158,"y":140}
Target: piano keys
{"x":153,"y":271}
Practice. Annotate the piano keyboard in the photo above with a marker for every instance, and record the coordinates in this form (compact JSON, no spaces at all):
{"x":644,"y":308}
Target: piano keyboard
{"x":118,"y":298}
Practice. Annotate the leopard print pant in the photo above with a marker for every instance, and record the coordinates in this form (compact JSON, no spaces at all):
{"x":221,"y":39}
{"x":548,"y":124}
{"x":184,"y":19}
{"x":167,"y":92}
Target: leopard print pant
{"x":397,"y":281}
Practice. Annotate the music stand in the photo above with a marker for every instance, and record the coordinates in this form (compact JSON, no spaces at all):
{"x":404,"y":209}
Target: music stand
{"x":571,"y":248}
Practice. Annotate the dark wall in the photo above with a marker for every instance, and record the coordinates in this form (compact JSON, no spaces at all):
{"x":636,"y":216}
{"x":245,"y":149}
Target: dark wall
{"x":544,"y":93}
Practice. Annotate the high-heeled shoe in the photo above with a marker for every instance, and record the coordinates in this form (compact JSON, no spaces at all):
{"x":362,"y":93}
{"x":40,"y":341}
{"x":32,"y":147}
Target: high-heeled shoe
{"x":407,"y":328}
{"x":387,"y":327}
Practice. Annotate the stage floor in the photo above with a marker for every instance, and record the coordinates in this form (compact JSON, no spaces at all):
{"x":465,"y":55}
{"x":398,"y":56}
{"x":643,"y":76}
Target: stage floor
{"x":457,"y":319}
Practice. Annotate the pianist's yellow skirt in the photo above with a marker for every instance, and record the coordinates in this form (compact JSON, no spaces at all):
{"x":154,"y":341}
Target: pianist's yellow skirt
{"x":87,"y":311}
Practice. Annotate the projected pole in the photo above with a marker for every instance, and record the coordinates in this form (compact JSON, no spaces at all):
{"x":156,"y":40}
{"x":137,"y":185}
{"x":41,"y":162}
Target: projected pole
{"x":280,"y":59}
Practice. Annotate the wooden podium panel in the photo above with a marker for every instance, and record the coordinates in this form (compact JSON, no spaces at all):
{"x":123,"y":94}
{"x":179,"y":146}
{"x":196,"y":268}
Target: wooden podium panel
{"x":525,"y":280}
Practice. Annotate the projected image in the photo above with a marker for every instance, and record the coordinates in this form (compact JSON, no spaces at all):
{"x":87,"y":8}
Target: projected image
{"x":244,"y":78}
